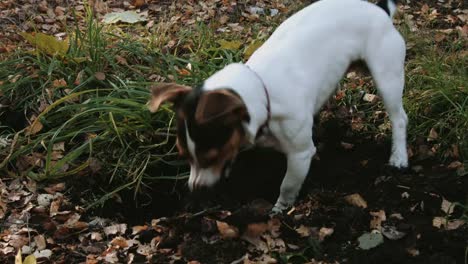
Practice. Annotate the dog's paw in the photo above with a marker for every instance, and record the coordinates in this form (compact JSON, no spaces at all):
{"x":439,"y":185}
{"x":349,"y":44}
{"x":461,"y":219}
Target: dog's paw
{"x":278,"y":209}
{"x":275,"y":211}
{"x":399,"y":160}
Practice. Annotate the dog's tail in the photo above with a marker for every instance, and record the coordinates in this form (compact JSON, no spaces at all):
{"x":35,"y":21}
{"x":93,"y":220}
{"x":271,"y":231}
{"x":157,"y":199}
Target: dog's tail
{"x":390,"y":6}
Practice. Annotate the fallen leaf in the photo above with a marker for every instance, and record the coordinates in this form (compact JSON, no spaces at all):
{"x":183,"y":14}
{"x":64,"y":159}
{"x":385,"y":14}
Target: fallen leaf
{"x":18,"y":258}
{"x":370,"y":240}
{"x":96,"y":236}
{"x":356,"y":200}
{"x":59,"y":83}
{"x":40,"y":242}
{"x":119,"y":242}
{"x":439,"y":37}
{"x":100,"y":76}
{"x":227,"y":231}
{"x":46,"y":43}
{"x":59,"y":187}
{"x":392,"y":233}
{"x":447,"y":206}
{"x":377,"y":218}
{"x":115,"y":229}
{"x":130,"y":17}
{"x":256,"y":229}
{"x":46,"y":253}
{"x":138,"y":229}
{"x":371,"y":98}
{"x":230,"y":45}
{"x":138,"y":3}
{"x":433,"y":135}
{"x":252,"y":48}
{"x":440,"y":222}
{"x":324,"y":232}
{"x":31,"y":259}
{"x":303,"y":231}
{"x":35,"y":127}
{"x":455,"y":165}
{"x":413,"y":252}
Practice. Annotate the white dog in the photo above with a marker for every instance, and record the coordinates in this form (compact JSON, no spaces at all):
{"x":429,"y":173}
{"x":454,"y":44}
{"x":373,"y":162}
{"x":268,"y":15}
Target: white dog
{"x":285,"y":82}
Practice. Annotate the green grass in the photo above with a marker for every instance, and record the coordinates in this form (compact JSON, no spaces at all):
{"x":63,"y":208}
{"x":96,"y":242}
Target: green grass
{"x":103,"y":125}
{"x":436,"y":94}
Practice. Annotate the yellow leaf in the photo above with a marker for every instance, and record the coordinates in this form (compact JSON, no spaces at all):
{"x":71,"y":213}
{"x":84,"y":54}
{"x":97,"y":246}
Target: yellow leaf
{"x":18,"y":259}
{"x":252,"y":48}
{"x":231,"y":45}
{"x":35,"y":127}
{"x":46,"y":43}
{"x":31,"y":259}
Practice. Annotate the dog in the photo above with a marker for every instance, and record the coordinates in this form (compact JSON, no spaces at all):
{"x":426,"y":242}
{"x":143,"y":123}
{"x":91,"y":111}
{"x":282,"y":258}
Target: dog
{"x":273,"y":97}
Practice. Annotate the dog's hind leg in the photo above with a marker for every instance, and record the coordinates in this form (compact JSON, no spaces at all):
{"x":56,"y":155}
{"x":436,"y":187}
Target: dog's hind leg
{"x":386,"y":64}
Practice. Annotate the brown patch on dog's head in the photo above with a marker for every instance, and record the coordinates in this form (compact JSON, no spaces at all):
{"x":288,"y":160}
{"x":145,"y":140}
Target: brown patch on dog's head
{"x":171,"y":92}
{"x":210,"y":128}
{"x":221,"y":105}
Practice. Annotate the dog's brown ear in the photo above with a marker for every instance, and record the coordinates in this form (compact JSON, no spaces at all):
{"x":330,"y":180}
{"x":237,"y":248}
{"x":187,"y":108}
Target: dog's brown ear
{"x":166,"y":92}
{"x":219,"y":104}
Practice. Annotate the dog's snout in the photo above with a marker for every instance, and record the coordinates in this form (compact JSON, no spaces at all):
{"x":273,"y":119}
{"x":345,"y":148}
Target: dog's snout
{"x":202,"y":178}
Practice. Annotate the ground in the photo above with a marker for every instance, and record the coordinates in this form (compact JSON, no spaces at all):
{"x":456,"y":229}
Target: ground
{"x":353,"y":207}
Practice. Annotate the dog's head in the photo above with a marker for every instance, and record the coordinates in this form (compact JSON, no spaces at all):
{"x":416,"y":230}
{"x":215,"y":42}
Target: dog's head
{"x":209,"y":128}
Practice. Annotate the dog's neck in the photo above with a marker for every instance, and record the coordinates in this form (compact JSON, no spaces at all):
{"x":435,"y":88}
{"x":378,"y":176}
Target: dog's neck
{"x":249,"y":85}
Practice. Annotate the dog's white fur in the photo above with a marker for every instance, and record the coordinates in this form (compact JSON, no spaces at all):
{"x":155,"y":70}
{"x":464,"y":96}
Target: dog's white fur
{"x":301,"y":65}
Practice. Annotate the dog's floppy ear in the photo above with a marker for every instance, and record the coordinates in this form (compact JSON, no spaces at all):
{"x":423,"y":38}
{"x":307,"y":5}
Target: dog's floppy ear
{"x":166,"y":92}
{"x":219,"y":104}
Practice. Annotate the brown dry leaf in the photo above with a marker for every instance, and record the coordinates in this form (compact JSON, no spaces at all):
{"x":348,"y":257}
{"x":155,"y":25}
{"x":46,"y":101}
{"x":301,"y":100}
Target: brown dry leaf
{"x":356,"y":200}
{"x":59,"y":83}
{"x":324,"y":232}
{"x":121,"y":60}
{"x":35,"y":127}
{"x":413,"y":252}
{"x":79,"y":78}
{"x":96,"y":236}
{"x":18,"y":241}
{"x":40,"y":242}
{"x":425,"y":9}
{"x":455,"y":165}
{"x":303,"y":231}
{"x":52,"y":189}
{"x":119,"y":242}
{"x":439,"y":37}
{"x":256,"y":229}
{"x":227,"y":231}
{"x":100,"y":76}
{"x":3,"y":199}
{"x":138,"y":3}
{"x":377,"y":218}
{"x":138,"y":229}
{"x":440,"y":222}
{"x":115,"y":229}
{"x":54,"y":207}
{"x":447,"y":206}
{"x":433,"y":135}
{"x":463,"y":31}
{"x":371,"y":98}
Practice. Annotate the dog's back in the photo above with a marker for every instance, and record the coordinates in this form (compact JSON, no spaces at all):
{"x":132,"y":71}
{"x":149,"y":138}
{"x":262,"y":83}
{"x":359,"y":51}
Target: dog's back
{"x":319,"y":42}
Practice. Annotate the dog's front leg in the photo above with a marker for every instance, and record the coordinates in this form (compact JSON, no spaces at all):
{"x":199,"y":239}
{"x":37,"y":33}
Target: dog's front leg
{"x":298,"y":166}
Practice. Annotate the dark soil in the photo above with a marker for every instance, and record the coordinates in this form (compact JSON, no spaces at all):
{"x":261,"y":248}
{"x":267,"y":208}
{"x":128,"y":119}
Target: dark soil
{"x":415,"y":193}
